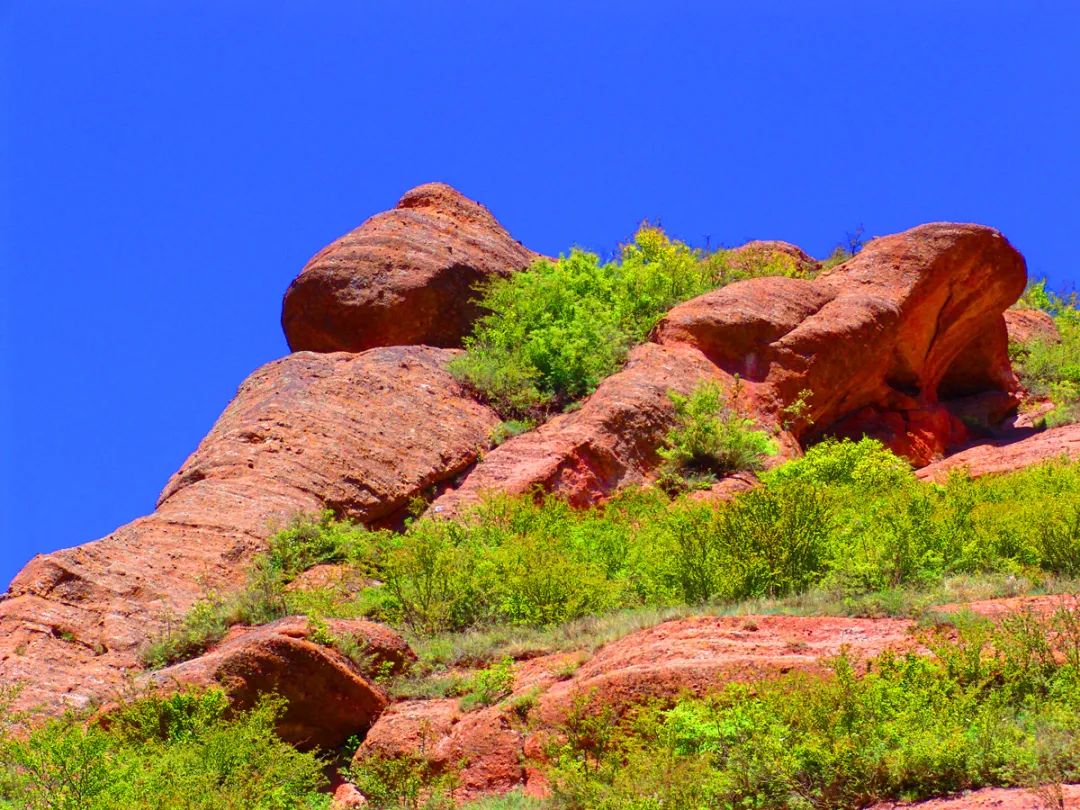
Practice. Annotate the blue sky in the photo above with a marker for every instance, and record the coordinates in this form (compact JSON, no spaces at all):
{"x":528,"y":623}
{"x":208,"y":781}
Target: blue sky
{"x":168,"y":167}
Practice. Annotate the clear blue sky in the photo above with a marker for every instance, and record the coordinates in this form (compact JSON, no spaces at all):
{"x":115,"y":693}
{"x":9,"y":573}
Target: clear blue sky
{"x":168,"y":167}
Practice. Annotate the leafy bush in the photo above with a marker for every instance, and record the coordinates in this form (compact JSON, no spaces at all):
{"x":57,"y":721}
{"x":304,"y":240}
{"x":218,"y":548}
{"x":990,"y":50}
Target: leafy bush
{"x":710,"y":439}
{"x":183,"y":751}
{"x":554,"y":331}
{"x":1052,"y":369}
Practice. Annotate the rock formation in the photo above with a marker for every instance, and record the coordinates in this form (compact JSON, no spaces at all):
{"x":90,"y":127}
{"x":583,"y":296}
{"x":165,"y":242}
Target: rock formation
{"x":899,"y":343}
{"x":1027,"y":325}
{"x":907,"y":342}
{"x":404,"y":277}
{"x":501,"y":750}
{"x":329,"y":697}
{"x":882,"y":343}
{"x":360,"y":433}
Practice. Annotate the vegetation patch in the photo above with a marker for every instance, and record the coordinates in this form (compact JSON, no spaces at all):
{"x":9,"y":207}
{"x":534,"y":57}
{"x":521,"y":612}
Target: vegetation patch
{"x":848,"y":520}
{"x":1051,"y":370}
{"x":554,"y":331}
{"x":992,"y":705}
{"x":711,"y":439}
{"x":185,"y":751}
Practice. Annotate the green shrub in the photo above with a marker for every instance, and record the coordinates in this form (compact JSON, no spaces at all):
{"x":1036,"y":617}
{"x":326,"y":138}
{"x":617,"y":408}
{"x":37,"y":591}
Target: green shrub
{"x":710,"y":439}
{"x":405,"y":782}
{"x":304,"y":543}
{"x":1052,"y":369}
{"x":865,"y":465}
{"x":554,"y":331}
{"x":849,"y":519}
{"x":184,"y":751}
{"x":486,"y":687}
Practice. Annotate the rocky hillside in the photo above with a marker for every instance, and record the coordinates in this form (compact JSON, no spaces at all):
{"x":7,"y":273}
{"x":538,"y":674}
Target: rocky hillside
{"x":906,"y":342}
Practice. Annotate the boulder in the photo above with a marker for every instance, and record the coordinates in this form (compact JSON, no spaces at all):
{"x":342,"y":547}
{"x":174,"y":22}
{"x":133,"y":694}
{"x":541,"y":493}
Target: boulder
{"x":700,"y":654}
{"x":1027,"y":325}
{"x":883,"y":342}
{"x":404,"y":277}
{"x":330,"y":698}
{"x":362,"y":434}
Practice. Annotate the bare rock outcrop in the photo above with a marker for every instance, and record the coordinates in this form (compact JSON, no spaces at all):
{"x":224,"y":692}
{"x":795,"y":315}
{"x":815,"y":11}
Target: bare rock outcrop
{"x":1027,"y":325}
{"x":404,"y":277}
{"x":1009,"y":454}
{"x":329,"y":696}
{"x":883,"y":342}
{"x":904,"y":342}
{"x":1065,"y":797}
{"x":362,"y":434}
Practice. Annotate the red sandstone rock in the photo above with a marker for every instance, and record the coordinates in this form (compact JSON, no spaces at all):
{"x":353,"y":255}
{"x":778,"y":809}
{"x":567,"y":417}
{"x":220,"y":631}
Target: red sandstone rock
{"x":1026,"y":325}
{"x":883,"y":341}
{"x":609,"y":442}
{"x":405,"y":276}
{"x":1009,"y":453}
{"x":362,"y":434}
{"x":698,"y":655}
{"x":1040,"y":798}
{"x":500,"y":752}
{"x":329,"y":697}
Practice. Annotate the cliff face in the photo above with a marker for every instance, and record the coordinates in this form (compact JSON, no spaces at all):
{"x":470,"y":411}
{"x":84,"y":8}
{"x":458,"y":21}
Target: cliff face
{"x":900,"y":342}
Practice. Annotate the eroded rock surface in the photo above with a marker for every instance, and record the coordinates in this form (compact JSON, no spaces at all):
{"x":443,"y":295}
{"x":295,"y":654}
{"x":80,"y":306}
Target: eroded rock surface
{"x":1027,"y":325}
{"x":501,"y":750}
{"x":609,"y":442}
{"x":883,"y":342}
{"x":1008,"y":454}
{"x":361,"y":433}
{"x":405,"y":276}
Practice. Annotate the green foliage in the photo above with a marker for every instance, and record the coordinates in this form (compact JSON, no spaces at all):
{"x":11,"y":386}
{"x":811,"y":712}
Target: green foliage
{"x":486,"y":687}
{"x":711,"y":438}
{"x":848,"y":518}
{"x":554,"y":331}
{"x":183,"y":751}
{"x":505,"y":431}
{"x":1052,"y":369}
{"x":302,"y":544}
{"x":405,"y":782}
{"x":865,"y":465}
{"x":993,"y":706}
{"x":305,"y":543}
